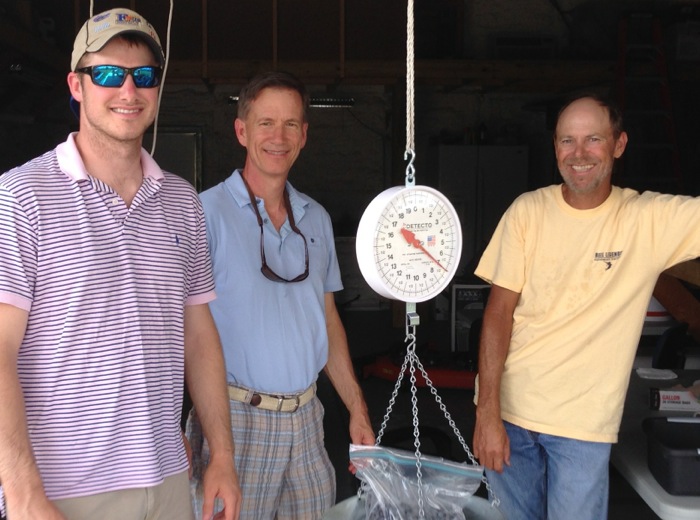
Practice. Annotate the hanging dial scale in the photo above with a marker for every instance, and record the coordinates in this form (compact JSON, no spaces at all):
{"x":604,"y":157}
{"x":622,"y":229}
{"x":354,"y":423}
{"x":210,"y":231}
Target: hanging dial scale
{"x":408,"y":246}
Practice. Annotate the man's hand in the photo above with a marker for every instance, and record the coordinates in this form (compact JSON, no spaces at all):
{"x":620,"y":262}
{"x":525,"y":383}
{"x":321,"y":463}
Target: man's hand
{"x":491,"y":444}
{"x":221,"y":481}
{"x":360,"y":432}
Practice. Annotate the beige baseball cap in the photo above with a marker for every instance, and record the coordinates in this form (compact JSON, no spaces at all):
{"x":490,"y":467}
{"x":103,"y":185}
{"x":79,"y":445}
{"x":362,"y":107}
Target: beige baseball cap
{"x":98,"y":30}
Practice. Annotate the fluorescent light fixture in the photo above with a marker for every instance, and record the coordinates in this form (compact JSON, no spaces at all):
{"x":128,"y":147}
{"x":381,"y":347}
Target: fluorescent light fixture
{"x":318,"y":102}
{"x":331,"y":102}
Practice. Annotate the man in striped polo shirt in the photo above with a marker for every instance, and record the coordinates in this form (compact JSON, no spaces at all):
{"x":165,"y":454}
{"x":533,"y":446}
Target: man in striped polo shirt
{"x":104,"y":290}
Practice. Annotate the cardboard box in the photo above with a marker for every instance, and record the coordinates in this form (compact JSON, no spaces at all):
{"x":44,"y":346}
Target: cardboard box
{"x":676,"y":399}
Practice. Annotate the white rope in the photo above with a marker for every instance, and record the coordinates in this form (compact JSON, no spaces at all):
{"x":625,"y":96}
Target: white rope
{"x":410,"y":153}
{"x":162,"y":81}
{"x":410,"y":138}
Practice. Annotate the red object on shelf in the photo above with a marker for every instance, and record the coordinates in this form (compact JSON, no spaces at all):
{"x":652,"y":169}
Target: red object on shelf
{"x":384,"y":368}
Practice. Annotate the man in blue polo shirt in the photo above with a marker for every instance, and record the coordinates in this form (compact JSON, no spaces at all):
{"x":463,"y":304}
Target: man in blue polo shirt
{"x":275,"y":270}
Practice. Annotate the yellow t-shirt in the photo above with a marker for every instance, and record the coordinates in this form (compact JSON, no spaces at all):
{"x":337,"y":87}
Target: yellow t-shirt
{"x":585,"y":278}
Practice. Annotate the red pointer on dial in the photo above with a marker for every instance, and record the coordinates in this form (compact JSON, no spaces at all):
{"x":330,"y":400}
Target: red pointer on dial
{"x":411,"y":239}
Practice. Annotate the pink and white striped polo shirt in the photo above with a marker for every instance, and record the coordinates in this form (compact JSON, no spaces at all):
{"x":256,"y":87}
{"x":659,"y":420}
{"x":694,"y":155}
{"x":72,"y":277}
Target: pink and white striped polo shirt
{"x":105,"y":285}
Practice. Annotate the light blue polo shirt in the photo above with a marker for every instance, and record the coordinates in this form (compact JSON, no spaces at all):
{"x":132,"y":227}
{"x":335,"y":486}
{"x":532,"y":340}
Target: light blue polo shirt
{"x":273,"y":333}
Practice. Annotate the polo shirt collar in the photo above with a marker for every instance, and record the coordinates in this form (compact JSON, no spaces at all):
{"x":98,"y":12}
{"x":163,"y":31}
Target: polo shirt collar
{"x":71,"y":163}
{"x":234,"y":185}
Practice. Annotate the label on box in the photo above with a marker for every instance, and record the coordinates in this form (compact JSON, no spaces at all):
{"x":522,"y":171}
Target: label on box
{"x":679,"y":400}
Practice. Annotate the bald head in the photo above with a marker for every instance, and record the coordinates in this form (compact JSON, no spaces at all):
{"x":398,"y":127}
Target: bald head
{"x":611,"y":110}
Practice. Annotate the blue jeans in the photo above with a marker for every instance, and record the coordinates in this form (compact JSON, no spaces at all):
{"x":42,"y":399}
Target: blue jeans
{"x":552,"y":477}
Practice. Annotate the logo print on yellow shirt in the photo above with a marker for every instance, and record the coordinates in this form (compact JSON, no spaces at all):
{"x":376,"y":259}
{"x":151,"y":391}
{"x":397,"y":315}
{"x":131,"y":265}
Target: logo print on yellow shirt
{"x":608,"y":257}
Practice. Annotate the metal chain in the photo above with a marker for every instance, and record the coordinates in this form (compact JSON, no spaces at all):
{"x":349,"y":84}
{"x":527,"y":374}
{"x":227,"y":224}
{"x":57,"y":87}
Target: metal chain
{"x":413,"y":358}
{"x":494,"y":500}
{"x":410,"y":362}
{"x":392,"y":401}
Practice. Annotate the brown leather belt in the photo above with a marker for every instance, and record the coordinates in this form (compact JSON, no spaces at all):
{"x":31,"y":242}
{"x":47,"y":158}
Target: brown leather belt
{"x":275,"y":403}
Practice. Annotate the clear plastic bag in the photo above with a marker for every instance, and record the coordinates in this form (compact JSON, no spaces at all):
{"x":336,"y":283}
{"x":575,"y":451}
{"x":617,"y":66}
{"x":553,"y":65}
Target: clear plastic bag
{"x":391,"y":476}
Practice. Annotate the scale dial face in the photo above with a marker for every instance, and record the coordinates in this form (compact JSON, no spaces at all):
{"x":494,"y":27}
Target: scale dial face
{"x":409,"y":243}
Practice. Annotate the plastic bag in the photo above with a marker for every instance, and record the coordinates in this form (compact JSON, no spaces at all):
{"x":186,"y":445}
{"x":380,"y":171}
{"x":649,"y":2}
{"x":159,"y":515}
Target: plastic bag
{"x":392,"y":479}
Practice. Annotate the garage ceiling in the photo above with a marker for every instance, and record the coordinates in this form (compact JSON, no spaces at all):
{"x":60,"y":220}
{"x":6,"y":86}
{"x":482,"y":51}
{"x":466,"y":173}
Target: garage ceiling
{"x":329,"y":42}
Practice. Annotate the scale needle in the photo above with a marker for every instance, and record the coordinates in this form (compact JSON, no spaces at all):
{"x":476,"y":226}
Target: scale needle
{"x":411,"y":239}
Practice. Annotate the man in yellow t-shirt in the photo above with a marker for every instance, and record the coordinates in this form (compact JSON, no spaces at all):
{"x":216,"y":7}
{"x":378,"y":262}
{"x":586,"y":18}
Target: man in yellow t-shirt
{"x":572,"y":269}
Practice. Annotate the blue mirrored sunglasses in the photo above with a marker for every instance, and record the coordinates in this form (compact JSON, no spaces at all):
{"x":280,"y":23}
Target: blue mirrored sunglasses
{"x":114,"y":76}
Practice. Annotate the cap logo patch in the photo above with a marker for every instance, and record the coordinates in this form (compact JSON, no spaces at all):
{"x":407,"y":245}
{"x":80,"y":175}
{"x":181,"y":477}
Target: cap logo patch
{"x":100,"y":17}
{"x":128,"y":19}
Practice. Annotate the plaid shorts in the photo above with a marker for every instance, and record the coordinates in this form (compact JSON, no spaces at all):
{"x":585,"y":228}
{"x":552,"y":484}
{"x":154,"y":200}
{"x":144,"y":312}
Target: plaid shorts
{"x":282,"y":464}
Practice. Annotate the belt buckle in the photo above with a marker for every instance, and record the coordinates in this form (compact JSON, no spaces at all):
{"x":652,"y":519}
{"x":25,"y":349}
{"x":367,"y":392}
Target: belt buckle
{"x":282,"y":398}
